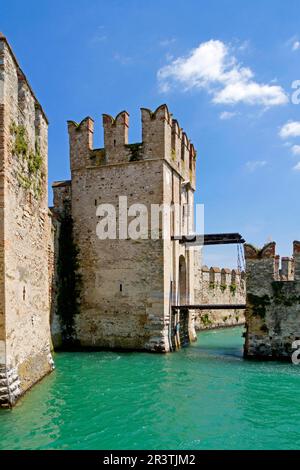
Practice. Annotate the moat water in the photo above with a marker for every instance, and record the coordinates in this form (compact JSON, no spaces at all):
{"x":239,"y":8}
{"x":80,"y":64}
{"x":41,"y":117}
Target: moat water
{"x":203,"y":397}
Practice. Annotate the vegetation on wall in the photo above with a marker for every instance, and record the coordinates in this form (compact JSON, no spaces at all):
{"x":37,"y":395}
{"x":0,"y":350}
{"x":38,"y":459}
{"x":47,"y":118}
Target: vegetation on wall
{"x":264,"y":328}
{"x":97,"y":156}
{"x":69,"y":281}
{"x":281,"y":298}
{"x":233,"y":288}
{"x":205,"y":320}
{"x":30,"y":174}
{"x":259,"y":304}
{"x":135,"y":151}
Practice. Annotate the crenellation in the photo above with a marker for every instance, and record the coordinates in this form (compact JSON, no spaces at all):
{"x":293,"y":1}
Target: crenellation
{"x":226,"y":276}
{"x":262,"y":260}
{"x":296,"y":256}
{"x":214,"y":275}
{"x":81,"y":142}
{"x":287,"y":269}
{"x":277,"y":268}
{"x":162,"y":138}
{"x":115,"y":136}
{"x":156,"y":132}
{"x":176,"y":144}
{"x":185,"y":156}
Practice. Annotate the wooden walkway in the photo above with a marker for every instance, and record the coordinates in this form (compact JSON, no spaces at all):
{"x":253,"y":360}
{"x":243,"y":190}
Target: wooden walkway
{"x":210,"y":307}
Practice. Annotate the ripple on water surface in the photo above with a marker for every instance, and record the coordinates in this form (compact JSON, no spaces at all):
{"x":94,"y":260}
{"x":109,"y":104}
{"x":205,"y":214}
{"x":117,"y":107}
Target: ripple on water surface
{"x":203,"y":397}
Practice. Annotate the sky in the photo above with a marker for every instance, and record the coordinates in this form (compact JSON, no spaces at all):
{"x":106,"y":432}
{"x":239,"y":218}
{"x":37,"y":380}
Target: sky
{"x":225,"y":68}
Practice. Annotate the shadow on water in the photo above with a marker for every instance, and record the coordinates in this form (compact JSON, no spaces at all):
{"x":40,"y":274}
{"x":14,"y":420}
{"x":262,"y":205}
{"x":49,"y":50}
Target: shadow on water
{"x":221,"y":342}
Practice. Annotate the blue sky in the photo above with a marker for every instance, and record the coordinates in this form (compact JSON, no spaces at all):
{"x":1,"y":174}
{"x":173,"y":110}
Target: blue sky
{"x":224,"y":67}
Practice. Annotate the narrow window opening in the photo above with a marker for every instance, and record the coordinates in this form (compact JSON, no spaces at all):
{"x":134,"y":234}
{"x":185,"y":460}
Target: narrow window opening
{"x":114,"y":142}
{"x":24,"y":293}
{"x":95,"y":202}
{"x":121,"y":287}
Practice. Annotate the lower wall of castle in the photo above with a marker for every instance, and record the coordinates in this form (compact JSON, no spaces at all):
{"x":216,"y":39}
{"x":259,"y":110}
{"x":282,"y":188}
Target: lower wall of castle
{"x":273,"y":307}
{"x":15,"y":381}
{"x":211,"y":319}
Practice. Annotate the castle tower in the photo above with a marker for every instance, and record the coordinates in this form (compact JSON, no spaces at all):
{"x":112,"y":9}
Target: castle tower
{"x":24,"y":233}
{"x":127,"y":284}
{"x":272,"y":304}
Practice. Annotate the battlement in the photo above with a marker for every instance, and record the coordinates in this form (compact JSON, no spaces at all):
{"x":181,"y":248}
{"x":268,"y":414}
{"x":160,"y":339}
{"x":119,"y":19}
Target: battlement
{"x":275,"y":268}
{"x":222,"y":277}
{"x":162,"y":138}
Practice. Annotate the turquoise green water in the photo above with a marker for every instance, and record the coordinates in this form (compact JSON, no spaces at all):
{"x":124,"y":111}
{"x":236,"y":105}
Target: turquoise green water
{"x":203,"y":397}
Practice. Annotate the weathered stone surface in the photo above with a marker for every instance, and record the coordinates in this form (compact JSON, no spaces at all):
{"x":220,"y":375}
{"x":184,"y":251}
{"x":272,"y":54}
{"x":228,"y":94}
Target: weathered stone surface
{"x":273,"y":303}
{"x":24,"y":233}
{"x":218,"y":286}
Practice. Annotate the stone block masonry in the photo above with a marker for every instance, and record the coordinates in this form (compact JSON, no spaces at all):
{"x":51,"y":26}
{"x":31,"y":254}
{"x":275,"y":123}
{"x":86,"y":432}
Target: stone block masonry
{"x":218,"y":286}
{"x":273,"y":302}
{"x":24,"y":234}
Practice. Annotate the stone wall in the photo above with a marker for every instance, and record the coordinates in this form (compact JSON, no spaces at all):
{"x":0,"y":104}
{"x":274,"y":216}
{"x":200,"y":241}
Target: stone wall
{"x":57,"y":214}
{"x":219,"y":286}
{"x":273,"y":302}
{"x":24,"y":233}
{"x":127,"y":286}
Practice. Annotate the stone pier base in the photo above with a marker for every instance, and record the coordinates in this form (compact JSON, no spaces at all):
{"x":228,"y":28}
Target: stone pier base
{"x":9,"y":387}
{"x":15,"y":381}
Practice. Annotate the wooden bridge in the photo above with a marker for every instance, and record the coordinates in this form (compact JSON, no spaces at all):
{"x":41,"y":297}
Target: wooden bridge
{"x":179,"y":335}
{"x":211,"y":239}
{"x":209,"y":307}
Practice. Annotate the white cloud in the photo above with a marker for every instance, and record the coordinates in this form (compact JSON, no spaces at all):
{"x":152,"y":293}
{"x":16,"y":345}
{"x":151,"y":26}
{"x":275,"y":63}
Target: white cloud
{"x":212,"y":66}
{"x":290,"y":129}
{"x":295,"y":150}
{"x":293,"y":43}
{"x":167,"y":42}
{"x":251,"y":93}
{"x":254,"y":165}
{"x":296,"y":46}
{"x":297,"y":167}
{"x":225,"y":115}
